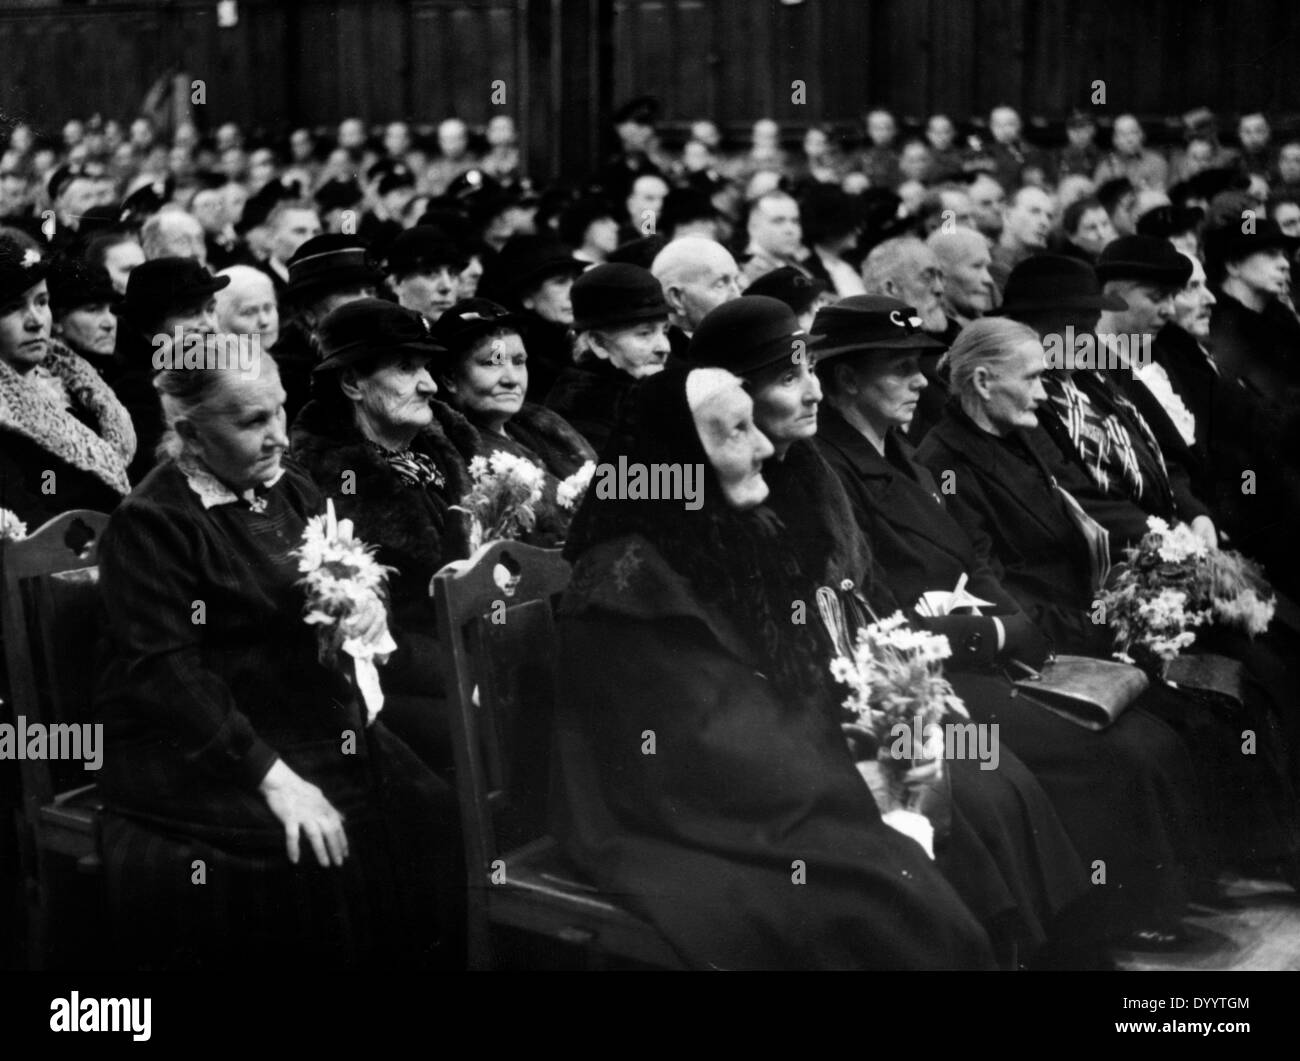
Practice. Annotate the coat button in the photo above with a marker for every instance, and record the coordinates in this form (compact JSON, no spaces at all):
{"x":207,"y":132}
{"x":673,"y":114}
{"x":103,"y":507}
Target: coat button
{"x":973,"y":642}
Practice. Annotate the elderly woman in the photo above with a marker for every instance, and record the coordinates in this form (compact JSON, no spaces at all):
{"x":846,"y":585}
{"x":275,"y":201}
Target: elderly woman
{"x":701,"y":767}
{"x":65,"y":440}
{"x":253,"y":817}
{"x":82,"y":301}
{"x":1013,"y":503}
{"x":485,"y":378}
{"x":1126,"y":793}
{"x":621,"y":320}
{"x":1017,"y":888}
{"x":394,"y":460}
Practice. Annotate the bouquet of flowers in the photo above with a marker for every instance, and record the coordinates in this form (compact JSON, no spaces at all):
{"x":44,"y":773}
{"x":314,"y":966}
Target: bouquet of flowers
{"x":346,"y":601}
{"x":569,"y":494}
{"x":12,"y":529}
{"x":502,"y":502}
{"x":1173,"y":583}
{"x":895,"y":679}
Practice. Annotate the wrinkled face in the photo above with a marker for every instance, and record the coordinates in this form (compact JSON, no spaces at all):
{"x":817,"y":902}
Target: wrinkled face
{"x":1029,"y":220}
{"x":1095,"y":230}
{"x":774,"y":226}
{"x":647,"y":200}
{"x":968,"y":284}
{"x":1288,"y":164}
{"x":431,"y":291}
{"x":639,"y":349}
{"x":25,"y":328}
{"x":986,"y":196}
{"x":940,"y":132}
{"x":470,"y":276}
{"x":1253,"y":132}
{"x":1287,"y":216}
{"x":1150,"y":307}
{"x":888,"y":387}
{"x":881,"y":128}
{"x":717,"y":281}
{"x":119,"y":260}
{"x":1193,"y":303}
{"x":786,"y":397}
{"x":920,"y":282}
{"x":736,"y":448}
{"x":240,"y":431}
{"x":551,"y":300}
{"x":90,"y":329}
{"x":1267,"y":272}
{"x":394,"y":398}
{"x":1004,"y":124}
{"x":248,"y":307}
{"x":292,"y":229}
{"x":1127,"y":135}
{"x":490,"y":381}
{"x":1014,"y":388}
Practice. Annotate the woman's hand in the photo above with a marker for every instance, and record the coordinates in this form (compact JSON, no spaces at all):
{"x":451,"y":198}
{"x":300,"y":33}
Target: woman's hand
{"x":368,"y":622}
{"x":1203,"y":528}
{"x":302,"y":807}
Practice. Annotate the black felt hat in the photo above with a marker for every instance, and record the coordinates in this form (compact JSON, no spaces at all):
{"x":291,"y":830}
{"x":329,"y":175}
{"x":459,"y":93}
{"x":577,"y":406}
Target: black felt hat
{"x":1148,"y":258}
{"x":868,"y":322}
{"x":331,"y":262}
{"x":164,"y":285}
{"x":1052,"y":282}
{"x":369,"y":326}
{"x":616,"y":293}
{"x":74,"y":282}
{"x":20,"y":269}
{"x":748,"y":334}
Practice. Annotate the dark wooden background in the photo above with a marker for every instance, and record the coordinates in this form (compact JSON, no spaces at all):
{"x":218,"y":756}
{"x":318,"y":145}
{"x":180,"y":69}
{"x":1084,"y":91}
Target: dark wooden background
{"x":567,"y":62}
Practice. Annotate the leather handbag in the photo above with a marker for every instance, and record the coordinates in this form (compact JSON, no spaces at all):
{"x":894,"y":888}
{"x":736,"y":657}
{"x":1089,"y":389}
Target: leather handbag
{"x":1089,"y":692}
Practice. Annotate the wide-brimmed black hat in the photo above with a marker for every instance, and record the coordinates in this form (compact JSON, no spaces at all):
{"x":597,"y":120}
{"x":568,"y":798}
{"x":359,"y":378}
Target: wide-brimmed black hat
{"x":616,"y":293}
{"x":1054,"y":282}
{"x":1229,"y":243}
{"x":74,"y":282}
{"x":790,"y":285}
{"x":747,"y":335}
{"x":423,"y":249}
{"x":331,"y":262}
{"x":164,"y":285}
{"x":525,"y":262}
{"x":1168,"y":220}
{"x":1147,"y":258}
{"x":868,"y":322}
{"x":20,"y":269}
{"x":367,"y":326}
{"x":461,"y":326}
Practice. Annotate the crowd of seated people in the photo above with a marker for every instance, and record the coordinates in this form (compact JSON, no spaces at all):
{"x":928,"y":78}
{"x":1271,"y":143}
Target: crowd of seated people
{"x":208,"y":336}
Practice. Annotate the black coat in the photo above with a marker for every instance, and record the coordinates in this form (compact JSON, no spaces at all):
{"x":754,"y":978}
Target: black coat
{"x":550,"y":353}
{"x":1262,"y":350}
{"x":588,"y":396}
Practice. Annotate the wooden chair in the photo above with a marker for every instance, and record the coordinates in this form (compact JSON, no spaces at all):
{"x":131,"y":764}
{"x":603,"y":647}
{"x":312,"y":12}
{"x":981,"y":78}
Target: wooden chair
{"x":49,"y":632}
{"x":497,"y":634}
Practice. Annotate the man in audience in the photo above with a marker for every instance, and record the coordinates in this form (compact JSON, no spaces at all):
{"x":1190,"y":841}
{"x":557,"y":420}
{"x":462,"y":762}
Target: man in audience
{"x":1027,"y":222}
{"x":1087,"y":229}
{"x":697,"y":275}
{"x":879,"y":160}
{"x":969,"y":290}
{"x":1015,"y":161}
{"x":174,"y":233}
{"x":1255,"y":137}
{"x":775,"y":235}
{"x":1143,"y":167}
{"x":290,"y":224}
{"x":644,"y":204}
{"x":987,"y":197}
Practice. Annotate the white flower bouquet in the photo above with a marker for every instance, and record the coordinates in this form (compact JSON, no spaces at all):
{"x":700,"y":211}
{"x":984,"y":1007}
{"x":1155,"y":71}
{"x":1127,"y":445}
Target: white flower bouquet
{"x":1172,"y":583}
{"x":12,"y":529}
{"x":502,"y":503}
{"x":569,"y":494}
{"x":345,"y":589}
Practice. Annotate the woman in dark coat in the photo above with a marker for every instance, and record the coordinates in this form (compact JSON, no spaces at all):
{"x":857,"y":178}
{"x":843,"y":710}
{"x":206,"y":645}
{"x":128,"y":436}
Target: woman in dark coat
{"x":485,"y":378}
{"x":1125,"y":794}
{"x":394,"y":460}
{"x":621,"y":319}
{"x":1005,"y":851}
{"x":65,"y":440}
{"x":1020,"y":521}
{"x":701,"y":773}
{"x":253,"y":818}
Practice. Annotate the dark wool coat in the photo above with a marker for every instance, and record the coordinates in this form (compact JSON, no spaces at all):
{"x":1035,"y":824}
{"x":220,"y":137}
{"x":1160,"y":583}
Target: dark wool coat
{"x":415,"y":533}
{"x":700,"y":837}
{"x":132,"y":382}
{"x":295,"y":356}
{"x":1128,"y":791}
{"x":588,"y":397}
{"x":1261,"y":350}
{"x":550,"y":353}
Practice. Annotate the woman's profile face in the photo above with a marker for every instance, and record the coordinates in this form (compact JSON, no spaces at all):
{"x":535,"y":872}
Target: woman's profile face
{"x":490,"y":381}
{"x":640,"y":350}
{"x":786,"y":398}
{"x":736,"y":448}
{"x":25,"y":328}
{"x":240,"y":433}
{"x":395,"y":397}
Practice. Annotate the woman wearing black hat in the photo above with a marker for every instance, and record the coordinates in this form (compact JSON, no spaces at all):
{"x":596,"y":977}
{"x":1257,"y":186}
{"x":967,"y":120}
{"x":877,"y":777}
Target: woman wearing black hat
{"x":424,"y":269}
{"x":82,"y":301}
{"x":394,"y":459}
{"x":1126,"y":794}
{"x":65,"y":440}
{"x":485,"y":377}
{"x":1006,"y":853}
{"x":675,"y":631}
{"x":253,"y":817}
{"x":621,"y":320}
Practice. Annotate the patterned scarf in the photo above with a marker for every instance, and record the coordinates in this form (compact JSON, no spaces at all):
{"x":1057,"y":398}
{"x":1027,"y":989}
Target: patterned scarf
{"x":30,"y":408}
{"x":414,"y":469}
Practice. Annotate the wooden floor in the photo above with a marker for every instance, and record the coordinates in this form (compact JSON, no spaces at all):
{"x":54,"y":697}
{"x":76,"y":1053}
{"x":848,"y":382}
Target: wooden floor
{"x":1262,"y":932}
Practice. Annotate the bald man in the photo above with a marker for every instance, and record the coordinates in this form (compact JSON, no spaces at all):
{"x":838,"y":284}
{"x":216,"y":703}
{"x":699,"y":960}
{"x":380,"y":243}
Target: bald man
{"x":247,"y":306}
{"x":173,"y":233}
{"x":968,"y":287}
{"x":697,"y":275}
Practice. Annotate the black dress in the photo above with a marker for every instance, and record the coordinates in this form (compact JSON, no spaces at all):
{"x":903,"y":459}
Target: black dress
{"x":207,"y":675}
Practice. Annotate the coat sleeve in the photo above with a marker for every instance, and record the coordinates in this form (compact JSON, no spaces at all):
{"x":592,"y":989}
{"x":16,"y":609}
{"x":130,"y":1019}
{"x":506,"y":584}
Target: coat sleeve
{"x":148,"y":586}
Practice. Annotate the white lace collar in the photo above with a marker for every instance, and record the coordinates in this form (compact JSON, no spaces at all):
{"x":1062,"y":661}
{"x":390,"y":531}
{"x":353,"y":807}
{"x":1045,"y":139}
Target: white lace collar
{"x":212,"y":491}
